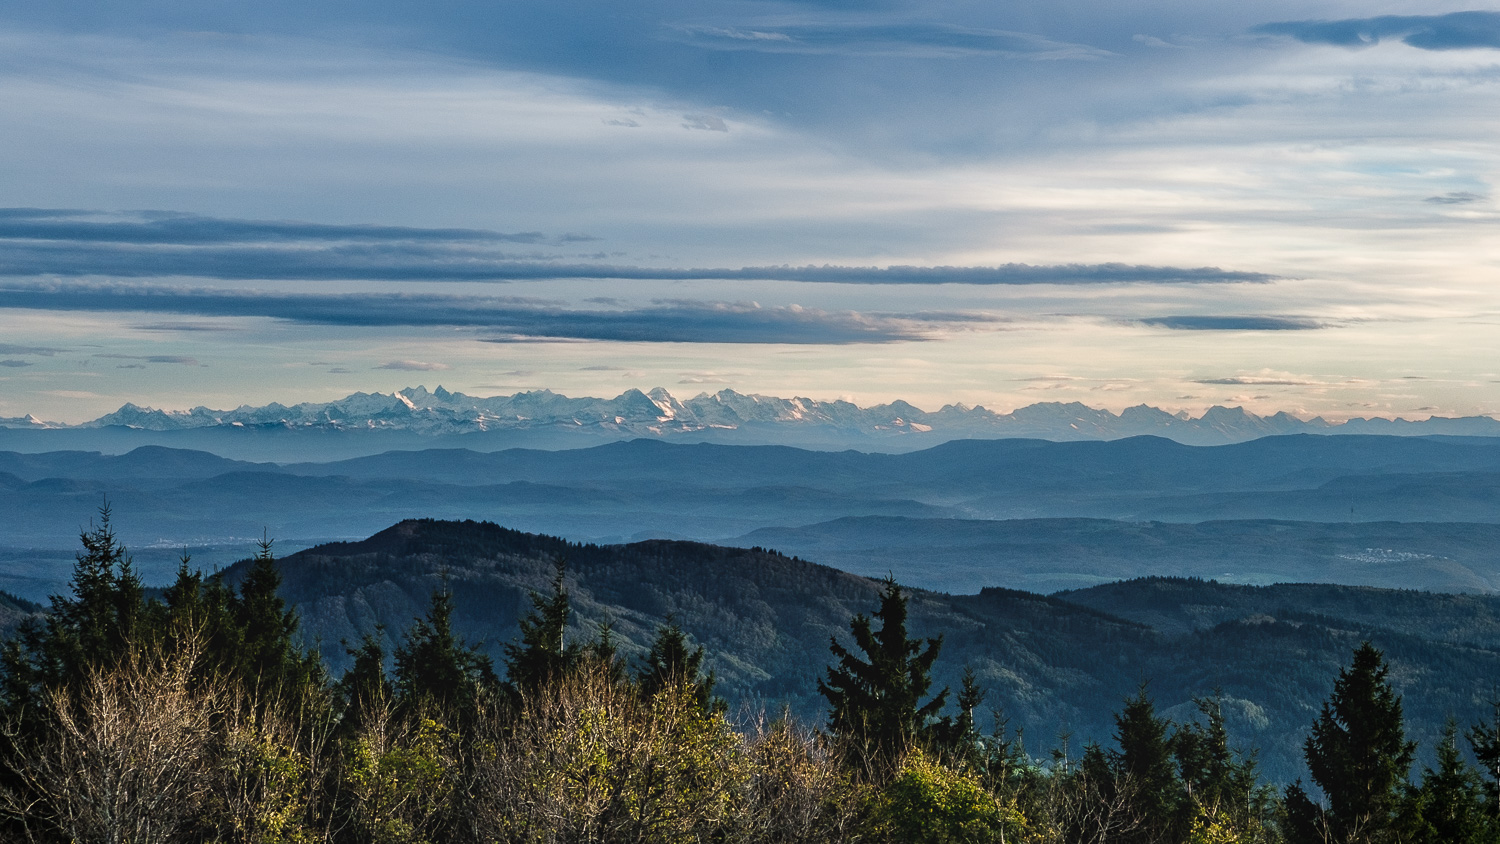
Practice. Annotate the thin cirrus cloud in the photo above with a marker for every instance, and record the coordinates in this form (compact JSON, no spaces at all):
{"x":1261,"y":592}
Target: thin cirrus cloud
{"x":172,"y":227}
{"x":180,"y":359}
{"x":504,"y":319}
{"x":1195,"y":322}
{"x":42,"y":351}
{"x":414,"y":366}
{"x":1458,"y":197}
{"x":1454,"y":31}
{"x":1258,"y":381}
{"x":77,"y":243}
{"x":914,"y":40}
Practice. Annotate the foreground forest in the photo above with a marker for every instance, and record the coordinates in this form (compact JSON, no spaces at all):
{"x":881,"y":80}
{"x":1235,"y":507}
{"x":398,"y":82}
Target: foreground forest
{"x":1055,"y":665}
{"x":197,"y":714}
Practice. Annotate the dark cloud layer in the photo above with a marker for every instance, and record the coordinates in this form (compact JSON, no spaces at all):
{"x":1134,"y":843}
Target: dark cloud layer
{"x":502,"y":319}
{"x":1189,"y":322}
{"x":171,"y":227}
{"x":13,"y":349}
{"x":1455,"y":31}
{"x":186,"y":361}
{"x":74,"y":243}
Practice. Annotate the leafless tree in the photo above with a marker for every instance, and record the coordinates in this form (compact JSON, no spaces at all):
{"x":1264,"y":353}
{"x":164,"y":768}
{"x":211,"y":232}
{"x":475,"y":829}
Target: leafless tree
{"x":126,"y":755}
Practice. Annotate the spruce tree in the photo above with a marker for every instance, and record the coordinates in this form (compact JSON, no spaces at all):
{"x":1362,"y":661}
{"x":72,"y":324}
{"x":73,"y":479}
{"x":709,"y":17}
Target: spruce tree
{"x":434,"y":667}
{"x":1450,"y":800}
{"x":543,"y":653}
{"x":92,"y":628}
{"x":875,"y":696}
{"x":1485,"y":741}
{"x":1358,"y":755}
{"x":1145,"y":761}
{"x":268,"y":658}
{"x":671,"y":662}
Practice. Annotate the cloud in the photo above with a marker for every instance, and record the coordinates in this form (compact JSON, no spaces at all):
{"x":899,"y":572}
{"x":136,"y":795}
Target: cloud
{"x":1231,"y":323}
{"x":905,"y":39}
{"x":173,"y":227}
{"x":42,"y":351}
{"x":54,"y":243}
{"x":14,"y":364}
{"x":1455,"y":31}
{"x":506,"y":319}
{"x":414,"y":366}
{"x":706,"y":122}
{"x":185,"y":361}
{"x":1153,"y":41}
{"x":1258,"y":381}
{"x":1458,"y":197}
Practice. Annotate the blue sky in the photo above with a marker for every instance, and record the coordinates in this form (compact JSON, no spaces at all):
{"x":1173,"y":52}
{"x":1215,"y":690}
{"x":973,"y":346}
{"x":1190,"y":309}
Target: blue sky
{"x":1280,"y":205}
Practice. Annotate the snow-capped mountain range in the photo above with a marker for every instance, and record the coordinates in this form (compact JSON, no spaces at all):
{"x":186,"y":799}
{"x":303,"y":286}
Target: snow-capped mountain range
{"x":728,"y":416}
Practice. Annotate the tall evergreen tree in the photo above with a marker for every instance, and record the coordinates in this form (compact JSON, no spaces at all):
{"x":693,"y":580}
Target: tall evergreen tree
{"x":1358,"y":755}
{"x":1145,"y":762}
{"x":434,"y":667}
{"x":1485,"y":740}
{"x":1450,"y":801}
{"x":671,"y":662}
{"x":268,"y":658}
{"x":93,"y":627}
{"x":543,"y":652}
{"x":875,"y":696}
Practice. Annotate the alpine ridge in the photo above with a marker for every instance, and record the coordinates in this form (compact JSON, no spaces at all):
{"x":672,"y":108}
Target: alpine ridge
{"x":728,"y":416}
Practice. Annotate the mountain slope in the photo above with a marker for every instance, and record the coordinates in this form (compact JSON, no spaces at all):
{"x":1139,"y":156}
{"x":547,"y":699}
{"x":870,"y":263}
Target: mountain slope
{"x":766,"y":619}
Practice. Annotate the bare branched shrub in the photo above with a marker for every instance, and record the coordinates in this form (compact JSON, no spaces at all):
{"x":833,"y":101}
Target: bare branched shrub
{"x":797,"y":790}
{"x":125,"y":756}
{"x":273,"y":770}
{"x":586,"y":760}
{"x":399,"y":774}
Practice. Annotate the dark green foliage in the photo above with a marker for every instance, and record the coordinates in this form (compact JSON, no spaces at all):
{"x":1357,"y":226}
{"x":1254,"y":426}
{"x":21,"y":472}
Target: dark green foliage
{"x":1450,"y":803}
{"x":365,"y":686}
{"x":1144,"y":764}
{"x":956,"y":738}
{"x":544,"y":653}
{"x":1358,"y":755}
{"x":91,"y":628}
{"x":1213,"y":776}
{"x":434,"y":667}
{"x":875,"y":697}
{"x":670,"y":662}
{"x":1484,"y":738}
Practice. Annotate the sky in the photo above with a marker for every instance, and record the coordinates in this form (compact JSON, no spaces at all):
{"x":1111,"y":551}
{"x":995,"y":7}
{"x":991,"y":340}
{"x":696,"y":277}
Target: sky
{"x":1283,"y":206}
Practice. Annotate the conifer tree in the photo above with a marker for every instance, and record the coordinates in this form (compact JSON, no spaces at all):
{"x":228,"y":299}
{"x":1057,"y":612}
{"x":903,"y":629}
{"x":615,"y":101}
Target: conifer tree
{"x":543,"y":653}
{"x":1450,"y":800}
{"x":1358,"y":755}
{"x":268,"y":658}
{"x":1485,"y":741}
{"x":92,"y":628}
{"x":875,"y":696}
{"x":364,"y":686}
{"x":1145,"y":761}
{"x":671,"y":662}
{"x":957,"y":737}
{"x":435,"y":667}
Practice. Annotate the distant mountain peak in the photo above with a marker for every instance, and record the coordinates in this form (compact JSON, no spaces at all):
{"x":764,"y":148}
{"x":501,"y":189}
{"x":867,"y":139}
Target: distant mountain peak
{"x":730,"y":416}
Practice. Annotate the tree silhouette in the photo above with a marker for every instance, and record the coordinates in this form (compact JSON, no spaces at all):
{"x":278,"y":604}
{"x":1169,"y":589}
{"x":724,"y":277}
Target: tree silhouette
{"x":1358,"y":754}
{"x":875,"y":697}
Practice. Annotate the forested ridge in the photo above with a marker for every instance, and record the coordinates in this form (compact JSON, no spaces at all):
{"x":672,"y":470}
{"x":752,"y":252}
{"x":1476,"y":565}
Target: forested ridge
{"x":618,"y":698}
